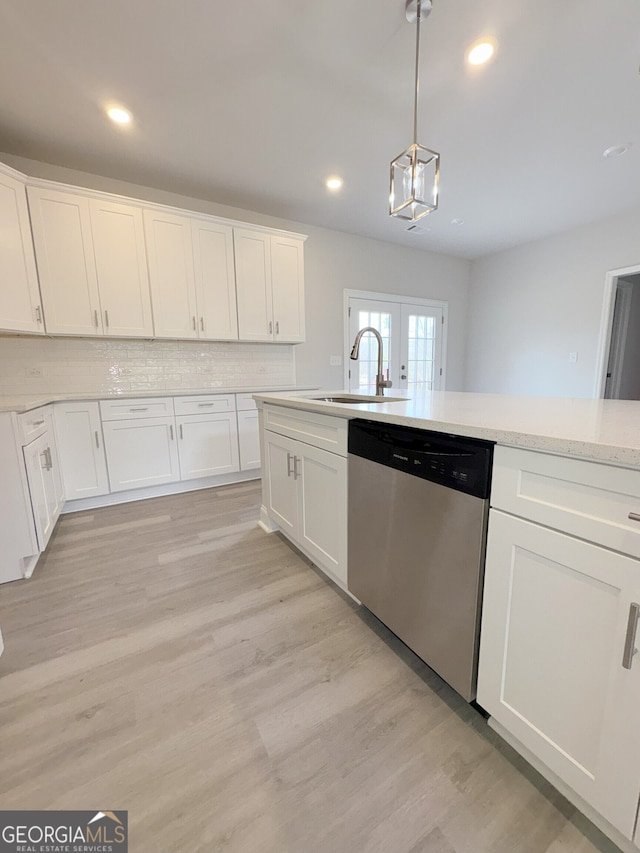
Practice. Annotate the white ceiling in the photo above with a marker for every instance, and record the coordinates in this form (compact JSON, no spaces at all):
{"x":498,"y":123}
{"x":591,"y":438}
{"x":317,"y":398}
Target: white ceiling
{"x":254,"y":104}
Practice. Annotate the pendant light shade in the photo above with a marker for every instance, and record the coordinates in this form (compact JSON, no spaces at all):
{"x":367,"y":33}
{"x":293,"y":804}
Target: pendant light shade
{"x":415,"y":174}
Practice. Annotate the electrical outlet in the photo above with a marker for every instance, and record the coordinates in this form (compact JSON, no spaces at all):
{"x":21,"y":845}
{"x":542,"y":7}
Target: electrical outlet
{"x":33,"y":372}
{"x":335,"y":361}
{"x":573,"y":357}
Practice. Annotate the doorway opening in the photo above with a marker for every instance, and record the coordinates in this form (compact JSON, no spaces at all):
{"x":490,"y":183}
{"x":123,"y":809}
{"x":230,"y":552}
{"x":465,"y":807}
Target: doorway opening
{"x":413,"y":335}
{"x":618,"y":375}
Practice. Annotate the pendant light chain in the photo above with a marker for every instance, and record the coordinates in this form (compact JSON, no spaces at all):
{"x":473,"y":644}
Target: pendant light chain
{"x":417,"y":86}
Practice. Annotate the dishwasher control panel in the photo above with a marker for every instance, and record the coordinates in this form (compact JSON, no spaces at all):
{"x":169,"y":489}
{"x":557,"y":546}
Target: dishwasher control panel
{"x":460,"y":463}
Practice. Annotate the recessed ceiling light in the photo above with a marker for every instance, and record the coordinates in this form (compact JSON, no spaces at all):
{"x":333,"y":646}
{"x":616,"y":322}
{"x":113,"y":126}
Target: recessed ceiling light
{"x":480,"y":52}
{"x":119,"y":115}
{"x":616,"y":150}
{"x":457,"y":221}
{"x":334,"y":183}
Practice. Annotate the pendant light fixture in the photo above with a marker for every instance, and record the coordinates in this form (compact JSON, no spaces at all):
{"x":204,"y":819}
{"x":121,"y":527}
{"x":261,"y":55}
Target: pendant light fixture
{"x":415,"y":173}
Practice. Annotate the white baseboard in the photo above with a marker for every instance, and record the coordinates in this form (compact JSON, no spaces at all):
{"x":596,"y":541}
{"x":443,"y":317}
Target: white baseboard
{"x":266,"y":522}
{"x":603,"y":825}
{"x":160,"y":491}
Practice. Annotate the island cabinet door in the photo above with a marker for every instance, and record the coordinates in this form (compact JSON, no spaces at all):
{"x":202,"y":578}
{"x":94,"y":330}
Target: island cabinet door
{"x":556,"y":665}
{"x":322,"y":507}
{"x":280,"y":482}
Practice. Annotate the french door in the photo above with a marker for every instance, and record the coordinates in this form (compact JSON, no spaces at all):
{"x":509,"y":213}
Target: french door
{"x":412,"y":334}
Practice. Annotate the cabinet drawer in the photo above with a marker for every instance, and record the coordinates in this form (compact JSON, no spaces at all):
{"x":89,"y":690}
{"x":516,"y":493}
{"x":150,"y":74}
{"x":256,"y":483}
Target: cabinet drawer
{"x":324,"y":431}
{"x":245,"y":402}
{"x":587,"y":499}
{"x":141,"y":407}
{"x":32,"y":424}
{"x":204,"y":404}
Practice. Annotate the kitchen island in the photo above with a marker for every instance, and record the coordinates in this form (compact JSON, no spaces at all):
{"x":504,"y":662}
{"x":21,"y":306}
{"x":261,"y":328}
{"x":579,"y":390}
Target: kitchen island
{"x":561,"y":596}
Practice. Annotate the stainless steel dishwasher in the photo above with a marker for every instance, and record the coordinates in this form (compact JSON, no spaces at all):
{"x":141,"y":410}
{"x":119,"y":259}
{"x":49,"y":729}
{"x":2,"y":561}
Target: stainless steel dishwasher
{"x":418,"y":510}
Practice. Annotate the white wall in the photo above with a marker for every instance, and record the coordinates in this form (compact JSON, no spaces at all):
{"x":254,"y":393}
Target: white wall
{"x":333,"y":261}
{"x":529,"y":307}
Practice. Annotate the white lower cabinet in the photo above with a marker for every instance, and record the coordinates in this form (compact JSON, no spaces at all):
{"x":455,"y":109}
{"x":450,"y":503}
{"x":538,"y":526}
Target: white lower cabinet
{"x":43,"y":476}
{"x":306,"y":495}
{"x":141,"y":452}
{"x":81,"y":450}
{"x":207,"y":445}
{"x":249,"y":440}
{"x":557,"y":668}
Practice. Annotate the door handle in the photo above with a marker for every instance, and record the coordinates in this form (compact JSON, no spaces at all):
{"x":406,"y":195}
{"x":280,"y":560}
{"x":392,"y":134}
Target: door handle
{"x":277,"y":327}
{"x":106,"y":318}
{"x":289,"y":458}
{"x":202,"y":324}
{"x":630,"y":639}
{"x":270,"y":327}
{"x":171,"y":431}
{"x":193,"y":322}
{"x":95,"y":318}
{"x":634,"y":516}
{"x":295,"y":467}
{"x":97,"y":440}
{"x":181,"y":433}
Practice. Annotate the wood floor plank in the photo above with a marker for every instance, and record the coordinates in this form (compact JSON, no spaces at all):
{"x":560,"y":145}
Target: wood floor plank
{"x":170,"y":658}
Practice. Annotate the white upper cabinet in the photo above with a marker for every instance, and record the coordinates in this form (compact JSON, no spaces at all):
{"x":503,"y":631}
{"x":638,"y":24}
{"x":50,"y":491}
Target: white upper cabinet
{"x":287,"y":280}
{"x":20,"y":309}
{"x":172,"y":274}
{"x":253,"y":283}
{"x":215,"y":280}
{"x":270,"y":286}
{"x":61,"y":224}
{"x":92,"y":265}
{"x":121,"y":264}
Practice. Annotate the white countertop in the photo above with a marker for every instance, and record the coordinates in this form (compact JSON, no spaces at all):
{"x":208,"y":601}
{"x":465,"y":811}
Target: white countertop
{"x":604,"y":430}
{"x":26,"y":402}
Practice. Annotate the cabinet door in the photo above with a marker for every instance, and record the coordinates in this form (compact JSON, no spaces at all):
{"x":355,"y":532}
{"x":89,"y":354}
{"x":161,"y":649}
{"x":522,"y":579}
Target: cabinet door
{"x":171,"y":274}
{"x":253,"y":283}
{"x":80,"y":450}
{"x":208,"y":445}
{"x":249,"y":440}
{"x":61,"y":226}
{"x":281,"y":486}
{"x":215,"y":280}
{"x":322,"y":508}
{"x":141,"y":452}
{"x":121,"y":265}
{"x":287,"y":277}
{"x":39,"y":465}
{"x":20,"y":309}
{"x":554,"y":626}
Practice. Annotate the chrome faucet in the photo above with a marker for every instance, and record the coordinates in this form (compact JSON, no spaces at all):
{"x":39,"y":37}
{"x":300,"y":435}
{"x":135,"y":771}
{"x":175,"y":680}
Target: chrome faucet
{"x":381,"y":382}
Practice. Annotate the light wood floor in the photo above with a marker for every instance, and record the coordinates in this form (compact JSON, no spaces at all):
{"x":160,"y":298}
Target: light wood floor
{"x":170,"y":658}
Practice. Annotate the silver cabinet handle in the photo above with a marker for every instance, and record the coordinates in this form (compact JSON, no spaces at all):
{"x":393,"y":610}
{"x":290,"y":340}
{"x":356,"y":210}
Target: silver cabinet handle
{"x":630,"y":640}
{"x":171,"y":431}
{"x":270,"y":327}
{"x":634,"y":516}
{"x":97,"y":440}
{"x":95,"y":318}
{"x":106,"y":318}
{"x":38,"y":314}
{"x":193,"y":321}
{"x":37,"y":423}
{"x":202,"y":324}
{"x":204,"y":405}
{"x":181,"y":433}
{"x":48,"y":463}
{"x":43,"y":456}
{"x":139,"y":409}
{"x":289,"y":458}
{"x":277,"y":327}
{"x":295,"y":467}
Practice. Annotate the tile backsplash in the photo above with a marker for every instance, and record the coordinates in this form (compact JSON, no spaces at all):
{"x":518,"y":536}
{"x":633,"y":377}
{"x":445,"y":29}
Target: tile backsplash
{"x":81,"y":365}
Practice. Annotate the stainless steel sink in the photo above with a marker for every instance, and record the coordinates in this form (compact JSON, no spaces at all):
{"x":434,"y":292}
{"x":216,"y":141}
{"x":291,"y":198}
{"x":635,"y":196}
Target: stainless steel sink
{"x":354,"y":399}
